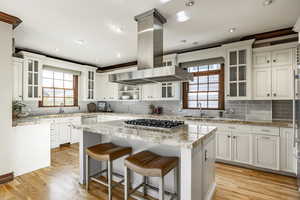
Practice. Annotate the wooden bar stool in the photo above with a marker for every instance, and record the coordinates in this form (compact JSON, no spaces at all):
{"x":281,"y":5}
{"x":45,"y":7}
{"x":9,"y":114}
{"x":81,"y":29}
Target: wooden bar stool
{"x":105,"y":152}
{"x":149,"y":164}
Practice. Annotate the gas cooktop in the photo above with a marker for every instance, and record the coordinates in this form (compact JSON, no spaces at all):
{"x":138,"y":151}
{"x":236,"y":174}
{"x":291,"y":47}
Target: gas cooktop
{"x":155,"y":123}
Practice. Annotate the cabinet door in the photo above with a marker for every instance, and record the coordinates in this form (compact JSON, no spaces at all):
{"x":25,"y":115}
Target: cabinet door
{"x":18,"y":81}
{"x":32,"y":79}
{"x":64,"y":131}
{"x":101,"y":80}
{"x":282,"y":58}
{"x":91,"y":85}
{"x":241,"y":148}
{"x":266,"y":151}
{"x":282,"y":82}
{"x":288,"y":162}
{"x":262,"y":59}
{"x":223,"y":145}
{"x":262,"y":83}
{"x":238,"y":73}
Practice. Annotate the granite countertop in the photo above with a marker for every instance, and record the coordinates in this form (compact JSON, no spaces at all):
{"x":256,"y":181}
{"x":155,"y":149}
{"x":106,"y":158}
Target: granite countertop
{"x":188,"y":136}
{"x":31,"y":120}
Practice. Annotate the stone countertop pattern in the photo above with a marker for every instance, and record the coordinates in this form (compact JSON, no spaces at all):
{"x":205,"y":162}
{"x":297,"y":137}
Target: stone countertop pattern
{"x":31,"y":120}
{"x":189,"y":136}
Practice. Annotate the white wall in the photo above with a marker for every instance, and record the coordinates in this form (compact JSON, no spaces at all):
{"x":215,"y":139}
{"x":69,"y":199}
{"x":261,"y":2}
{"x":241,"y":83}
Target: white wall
{"x":6,"y":81}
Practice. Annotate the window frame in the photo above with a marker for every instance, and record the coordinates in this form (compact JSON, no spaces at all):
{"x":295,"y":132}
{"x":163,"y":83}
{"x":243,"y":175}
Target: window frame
{"x":75,"y":94}
{"x":221,"y":91}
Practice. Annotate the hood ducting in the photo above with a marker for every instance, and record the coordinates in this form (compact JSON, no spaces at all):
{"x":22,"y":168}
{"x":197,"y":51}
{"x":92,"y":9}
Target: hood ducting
{"x":150,"y":54}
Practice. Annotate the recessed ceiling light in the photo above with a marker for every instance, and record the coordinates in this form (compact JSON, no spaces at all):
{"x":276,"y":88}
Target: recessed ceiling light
{"x":267,"y":2}
{"x":119,"y":55}
{"x":79,"y":42}
{"x":165,"y":1}
{"x":56,"y":49}
{"x":232,"y":30}
{"x":116,"y":28}
{"x":183,"y":41}
{"x":189,"y":3}
{"x":182,"y":16}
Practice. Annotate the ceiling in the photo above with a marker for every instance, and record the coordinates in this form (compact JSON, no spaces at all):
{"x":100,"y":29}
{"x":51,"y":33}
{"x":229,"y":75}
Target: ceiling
{"x":103,"y":32}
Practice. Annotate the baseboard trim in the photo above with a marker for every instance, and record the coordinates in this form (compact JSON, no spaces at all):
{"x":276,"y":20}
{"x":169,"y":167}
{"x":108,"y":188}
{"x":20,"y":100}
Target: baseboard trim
{"x":6,"y":178}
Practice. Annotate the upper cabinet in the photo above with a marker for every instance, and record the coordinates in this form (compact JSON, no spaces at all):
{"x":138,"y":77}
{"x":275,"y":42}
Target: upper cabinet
{"x":273,"y":74}
{"x":32,"y":76}
{"x":89,"y":84}
{"x":18,"y":79}
{"x":238,"y":70}
{"x":161,"y":91}
{"x":170,"y":60}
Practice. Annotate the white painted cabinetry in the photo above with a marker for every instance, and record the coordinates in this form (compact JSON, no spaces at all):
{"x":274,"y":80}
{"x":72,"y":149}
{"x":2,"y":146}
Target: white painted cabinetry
{"x":223,"y":145}
{"x":266,"y":151}
{"x":161,"y":91}
{"x":273,"y":71}
{"x":18,"y":79}
{"x":106,"y":91}
{"x":241,"y":147}
{"x":238,"y":70}
{"x":288,"y":161}
{"x":88,"y":80}
{"x":32,"y":78}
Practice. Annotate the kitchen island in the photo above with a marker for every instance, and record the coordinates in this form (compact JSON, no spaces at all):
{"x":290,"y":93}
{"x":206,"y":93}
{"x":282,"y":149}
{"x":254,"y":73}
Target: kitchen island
{"x":193,"y":144}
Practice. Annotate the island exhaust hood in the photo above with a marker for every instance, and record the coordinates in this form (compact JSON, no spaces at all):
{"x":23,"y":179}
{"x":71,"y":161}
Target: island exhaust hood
{"x":150,"y":55}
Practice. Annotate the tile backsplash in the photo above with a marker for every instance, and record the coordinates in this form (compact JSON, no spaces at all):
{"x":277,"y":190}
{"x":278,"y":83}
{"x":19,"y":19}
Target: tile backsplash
{"x":246,"y":110}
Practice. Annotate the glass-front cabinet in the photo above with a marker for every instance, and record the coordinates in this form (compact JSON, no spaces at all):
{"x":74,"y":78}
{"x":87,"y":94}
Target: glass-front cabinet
{"x":32,"y":79}
{"x":89,"y":84}
{"x":238,"y":71}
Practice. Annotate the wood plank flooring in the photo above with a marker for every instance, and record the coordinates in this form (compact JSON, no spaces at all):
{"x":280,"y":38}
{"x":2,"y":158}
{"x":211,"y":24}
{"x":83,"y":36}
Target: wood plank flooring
{"x":60,"y":182}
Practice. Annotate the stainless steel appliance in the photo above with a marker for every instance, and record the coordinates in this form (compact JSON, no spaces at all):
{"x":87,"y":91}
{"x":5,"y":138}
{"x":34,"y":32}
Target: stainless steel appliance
{"x":150,"y":55}
{"x":296,"y":118}
{"x":102,"y":106}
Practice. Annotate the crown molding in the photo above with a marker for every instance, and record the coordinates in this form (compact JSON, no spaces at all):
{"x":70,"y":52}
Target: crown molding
{"x":10,"y":19}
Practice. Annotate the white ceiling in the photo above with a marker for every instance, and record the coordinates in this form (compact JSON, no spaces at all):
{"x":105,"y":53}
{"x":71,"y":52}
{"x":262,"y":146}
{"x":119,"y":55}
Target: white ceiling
{"x":54,"y":26}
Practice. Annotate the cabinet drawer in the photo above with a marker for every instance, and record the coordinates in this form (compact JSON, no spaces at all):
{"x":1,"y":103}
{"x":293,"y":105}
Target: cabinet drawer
{"x":265,"y":130}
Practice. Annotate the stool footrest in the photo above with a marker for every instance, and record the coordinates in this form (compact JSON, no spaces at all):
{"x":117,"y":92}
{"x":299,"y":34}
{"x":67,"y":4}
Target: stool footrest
{"x":173,"y":195}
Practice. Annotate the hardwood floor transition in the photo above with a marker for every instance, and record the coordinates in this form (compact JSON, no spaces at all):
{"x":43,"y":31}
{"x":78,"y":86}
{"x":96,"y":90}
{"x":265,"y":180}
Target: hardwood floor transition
{"x":60,"y":182}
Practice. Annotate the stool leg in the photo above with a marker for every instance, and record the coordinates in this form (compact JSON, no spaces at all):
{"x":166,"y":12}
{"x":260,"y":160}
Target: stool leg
{"x":161,"y":189}
{"x":176,"y":183}
{"x":87,"y":176}
{"x":109,"y":180}
{"x":145,"y":187}
{"x":127,"y":183}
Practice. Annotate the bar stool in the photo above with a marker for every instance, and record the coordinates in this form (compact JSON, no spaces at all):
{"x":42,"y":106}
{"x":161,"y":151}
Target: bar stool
{"x":105,"y":152}
{"x":149,"y":164}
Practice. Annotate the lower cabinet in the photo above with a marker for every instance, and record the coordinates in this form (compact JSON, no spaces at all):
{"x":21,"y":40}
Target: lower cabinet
{"x":266,"y":151}
{"x":62,"y":132}
{"x":234,"y":146}
{"x":288,"y":161}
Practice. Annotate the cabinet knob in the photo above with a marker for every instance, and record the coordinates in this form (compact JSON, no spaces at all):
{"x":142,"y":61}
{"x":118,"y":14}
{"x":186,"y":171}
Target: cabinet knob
{"x":228,"y":136}
{"x":274,"y":60}
{"x":234,"y":137}
{"x":228,"y":95}
{"x":274,"y":94}
{"x":268,"y":61}
{"x":268,"y":94}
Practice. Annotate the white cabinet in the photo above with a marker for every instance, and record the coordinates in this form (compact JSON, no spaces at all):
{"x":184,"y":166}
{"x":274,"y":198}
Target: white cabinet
{"x":161,"y":91}
{"x":151,"y":91}
{"x":170,"y":60}
{"x":106,"y":91}
{"x":32,"y":78}
{"x":288,"y":161}
{"x":266,"y":151}
{"x":241,"y":148}
{"x":233,"y":143}
{"x":223,"y":145}
{"x":88,"y":78}
{"x":273,"y":75}
{"x":262,"y":83}
{"x":18,"y":79}
{"x":238,"y":70}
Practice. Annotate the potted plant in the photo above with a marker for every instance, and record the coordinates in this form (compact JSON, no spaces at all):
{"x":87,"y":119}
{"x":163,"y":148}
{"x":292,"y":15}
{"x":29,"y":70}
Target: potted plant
{"x":17,"y":109}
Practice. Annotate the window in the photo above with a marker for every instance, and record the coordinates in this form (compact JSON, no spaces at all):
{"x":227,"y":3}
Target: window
{"x":60,"y":89}
{"x":206,"y":90}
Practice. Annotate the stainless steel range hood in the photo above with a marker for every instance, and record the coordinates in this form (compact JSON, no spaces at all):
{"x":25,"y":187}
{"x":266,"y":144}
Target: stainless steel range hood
{"x":150,"y":55}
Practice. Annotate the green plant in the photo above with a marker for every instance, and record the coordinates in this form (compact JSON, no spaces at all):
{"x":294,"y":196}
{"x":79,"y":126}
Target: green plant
{"x":17,"y":106}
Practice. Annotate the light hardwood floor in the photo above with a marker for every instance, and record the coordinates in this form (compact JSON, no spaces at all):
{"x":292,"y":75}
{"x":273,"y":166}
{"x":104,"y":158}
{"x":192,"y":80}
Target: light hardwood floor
{"x":60,"y":182}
